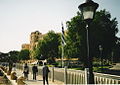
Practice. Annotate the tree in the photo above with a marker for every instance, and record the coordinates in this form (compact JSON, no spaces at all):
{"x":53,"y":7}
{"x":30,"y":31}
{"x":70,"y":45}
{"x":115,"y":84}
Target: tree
{"x":75,"y":38}
{"x":102,"y":32}
{"x":48,"y":47}
{"x":24,"y":55}
{"x":14,"y":56}
{"x":115,"y":56}
{"x":39,"y":50}
{"x":3,"y":57}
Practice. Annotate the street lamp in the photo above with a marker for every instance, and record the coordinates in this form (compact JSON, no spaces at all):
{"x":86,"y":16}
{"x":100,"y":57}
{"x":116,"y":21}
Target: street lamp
{"x":88,"y":10}
{"x":101,"y":58}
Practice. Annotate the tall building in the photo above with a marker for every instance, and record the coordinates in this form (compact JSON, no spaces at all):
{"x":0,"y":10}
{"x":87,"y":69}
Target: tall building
{"x":34,"y":38}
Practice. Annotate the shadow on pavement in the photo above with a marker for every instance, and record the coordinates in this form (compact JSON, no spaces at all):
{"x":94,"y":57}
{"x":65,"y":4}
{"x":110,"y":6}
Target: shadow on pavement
{"x":33,"y":80}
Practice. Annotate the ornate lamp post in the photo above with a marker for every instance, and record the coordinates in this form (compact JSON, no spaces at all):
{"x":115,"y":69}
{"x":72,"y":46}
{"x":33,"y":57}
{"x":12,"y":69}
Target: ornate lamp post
{"x":88,"y":10}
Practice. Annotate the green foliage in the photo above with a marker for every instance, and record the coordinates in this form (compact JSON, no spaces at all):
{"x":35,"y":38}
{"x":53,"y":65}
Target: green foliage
{"x":75,"y":38}
{"x":10,"y":56}
{"x":48,"y":47}
{"x":101,"y":32}
{"x":100,"y":69}
{"x":38,"y":50}
{"x":24,"y":54}
{"x":3,"y":57}
{"x":13,"y":56}
{"x":116,"y":53}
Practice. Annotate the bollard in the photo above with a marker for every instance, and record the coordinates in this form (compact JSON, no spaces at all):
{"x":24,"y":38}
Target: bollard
{"x":65,"y":75}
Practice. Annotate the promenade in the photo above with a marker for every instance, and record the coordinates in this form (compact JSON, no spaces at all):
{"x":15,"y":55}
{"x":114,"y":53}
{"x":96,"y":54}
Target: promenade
{"x":69,"y":75}
{"x":39,"y":80}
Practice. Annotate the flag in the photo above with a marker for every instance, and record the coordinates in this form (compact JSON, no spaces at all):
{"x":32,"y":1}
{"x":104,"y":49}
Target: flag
{"x":63,"y":36}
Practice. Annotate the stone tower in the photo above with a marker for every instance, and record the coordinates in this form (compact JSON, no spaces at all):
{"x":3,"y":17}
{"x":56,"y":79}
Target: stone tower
{"x":34,"y":38}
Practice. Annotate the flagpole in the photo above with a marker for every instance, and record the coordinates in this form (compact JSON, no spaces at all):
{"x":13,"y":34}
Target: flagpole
{"x":63,"y":43}
{"x":62,"y":56}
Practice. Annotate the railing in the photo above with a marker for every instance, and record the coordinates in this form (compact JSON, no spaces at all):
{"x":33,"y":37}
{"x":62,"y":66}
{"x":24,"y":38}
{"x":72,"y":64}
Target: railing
{"x":75,"y":76}
{"x":106,"y":79}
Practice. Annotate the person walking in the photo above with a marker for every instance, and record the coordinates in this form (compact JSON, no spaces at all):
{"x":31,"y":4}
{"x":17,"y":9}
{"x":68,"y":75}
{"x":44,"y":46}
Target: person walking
{"x":45,"y":72}
{"x":26,"y":71}
{"x":35,"y":71}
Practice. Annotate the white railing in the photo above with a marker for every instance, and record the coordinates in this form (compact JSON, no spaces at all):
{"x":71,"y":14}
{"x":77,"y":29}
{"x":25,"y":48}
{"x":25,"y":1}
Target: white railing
{"x":76,"y":76}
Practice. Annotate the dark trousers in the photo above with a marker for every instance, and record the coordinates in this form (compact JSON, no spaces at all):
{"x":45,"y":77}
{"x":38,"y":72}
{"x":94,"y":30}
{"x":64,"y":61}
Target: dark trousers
{"x":26,"y":75}
{"x":34,"y":76}
{"x":45,"y":78}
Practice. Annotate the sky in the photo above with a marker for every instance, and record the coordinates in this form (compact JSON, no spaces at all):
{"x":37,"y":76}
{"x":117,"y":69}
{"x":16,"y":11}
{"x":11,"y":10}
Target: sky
{"x":18,"y":18}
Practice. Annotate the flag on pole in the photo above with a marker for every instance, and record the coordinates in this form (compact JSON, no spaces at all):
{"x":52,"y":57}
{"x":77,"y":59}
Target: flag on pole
{"x":63,"y":35}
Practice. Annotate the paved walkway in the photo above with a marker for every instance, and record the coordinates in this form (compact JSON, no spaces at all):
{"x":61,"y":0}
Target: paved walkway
{"x":39,"y":80}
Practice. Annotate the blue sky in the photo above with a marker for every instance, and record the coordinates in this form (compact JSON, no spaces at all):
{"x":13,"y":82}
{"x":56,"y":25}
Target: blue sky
{"x":18,"y":18}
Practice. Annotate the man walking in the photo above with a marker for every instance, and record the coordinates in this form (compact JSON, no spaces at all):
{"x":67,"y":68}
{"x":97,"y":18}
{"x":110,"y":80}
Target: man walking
{"x":45,"y":71}
{"x":35,"y":71}
{"x":26,"y":71}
